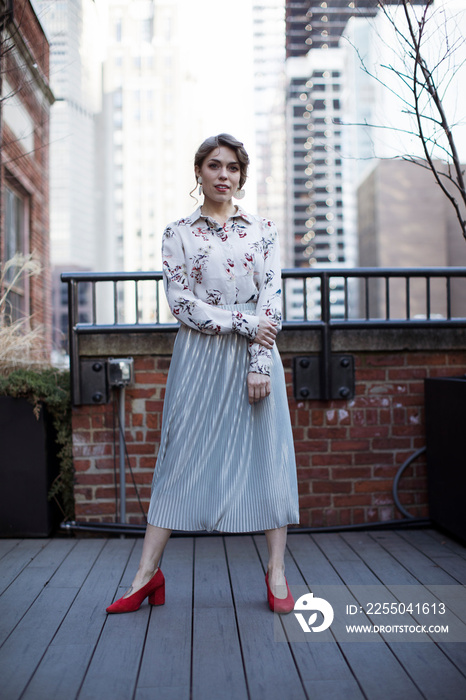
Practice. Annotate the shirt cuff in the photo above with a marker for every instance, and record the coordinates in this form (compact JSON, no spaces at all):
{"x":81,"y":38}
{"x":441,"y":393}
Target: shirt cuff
{"x":244,"y":324}
{"x":260,"y":359}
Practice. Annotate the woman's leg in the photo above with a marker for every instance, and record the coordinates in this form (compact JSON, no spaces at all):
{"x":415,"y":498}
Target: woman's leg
{"x":276,"y":543}
{"x":155,"y":540}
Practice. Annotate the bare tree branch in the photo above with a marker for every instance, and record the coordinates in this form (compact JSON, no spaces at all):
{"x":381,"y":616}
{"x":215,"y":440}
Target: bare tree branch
{"x":427,"y":84}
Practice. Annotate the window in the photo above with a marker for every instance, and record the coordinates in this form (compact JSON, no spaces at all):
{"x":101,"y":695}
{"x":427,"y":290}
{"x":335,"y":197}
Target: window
{"x":16,"y":220}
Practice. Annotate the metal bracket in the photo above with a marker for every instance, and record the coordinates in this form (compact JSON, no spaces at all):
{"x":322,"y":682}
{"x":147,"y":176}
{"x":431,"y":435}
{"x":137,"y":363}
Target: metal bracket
{"x":309,"y":381}
{"x":93,"y":382}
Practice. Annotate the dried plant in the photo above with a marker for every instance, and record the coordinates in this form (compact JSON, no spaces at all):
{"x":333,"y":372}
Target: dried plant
{"x":21,"y":346}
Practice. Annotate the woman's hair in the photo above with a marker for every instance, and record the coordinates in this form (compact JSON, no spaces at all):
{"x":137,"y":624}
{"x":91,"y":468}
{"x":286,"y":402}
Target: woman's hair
{"x":213,"y":142}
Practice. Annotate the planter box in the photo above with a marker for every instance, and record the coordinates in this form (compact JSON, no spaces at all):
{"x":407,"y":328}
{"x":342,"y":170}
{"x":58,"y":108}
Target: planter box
{"x":28,"y":466}
{"x":445,"y":404}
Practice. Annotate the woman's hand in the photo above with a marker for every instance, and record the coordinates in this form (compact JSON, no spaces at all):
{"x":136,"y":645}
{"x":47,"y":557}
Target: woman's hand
{"x":266,"y":333}
{"x":258,"y":386}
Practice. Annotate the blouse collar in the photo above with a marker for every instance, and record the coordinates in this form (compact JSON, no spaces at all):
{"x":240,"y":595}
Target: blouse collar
{"x":240,"y":213}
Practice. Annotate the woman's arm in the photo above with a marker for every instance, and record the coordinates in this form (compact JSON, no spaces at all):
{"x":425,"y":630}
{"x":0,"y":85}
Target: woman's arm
{"x":269,"y":303}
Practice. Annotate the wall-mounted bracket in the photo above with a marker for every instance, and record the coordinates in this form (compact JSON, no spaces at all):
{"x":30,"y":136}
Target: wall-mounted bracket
{"x":93,"y":382}
{"x":311,"y":376}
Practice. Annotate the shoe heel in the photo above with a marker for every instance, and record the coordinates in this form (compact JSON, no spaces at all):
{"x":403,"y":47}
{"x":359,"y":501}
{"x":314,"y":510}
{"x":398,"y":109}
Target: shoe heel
{"x":158,"y":596}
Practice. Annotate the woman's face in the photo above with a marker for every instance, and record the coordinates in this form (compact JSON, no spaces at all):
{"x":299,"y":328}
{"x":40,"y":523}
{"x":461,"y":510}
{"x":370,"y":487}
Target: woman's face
{"x":220,"y":172}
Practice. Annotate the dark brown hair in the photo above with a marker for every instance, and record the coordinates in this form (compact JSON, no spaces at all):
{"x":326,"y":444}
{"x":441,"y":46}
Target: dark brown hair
{"x":213,"y":142}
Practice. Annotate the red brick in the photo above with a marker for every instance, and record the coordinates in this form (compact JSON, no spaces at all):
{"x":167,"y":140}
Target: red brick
{"x":313,"y":501}
{"x":332,"y":486}
{"x":153,"y":420}
{"x":331,"y":459}
{"x":152,"y":378}
{"x":385,"y":471}
{"x":418,"y":358}
{"x":93,"y":479}
{"x":144,"y":363}
{"x":386,"y":360}
{"x":406,"y":374}
{"x":82,"y":465}
{"x":327,"y":433}
{"x":99,"y":436}
{"x":147,"y":463}
{"x":365,"y":375}
{"x":372,"y":486}
{"x":302,"y":418}
{"x":310,"y":446}
{"x":141,"y":393}
{"x":81,"y":421}
{"x":351,"y":473}
{"x":303,"y":459}
{"x":352,"y":500}
{"x":317,"y":418}
{"x":370,"y":432}
{"x":313,"y":473}
{"x":350,"y":445}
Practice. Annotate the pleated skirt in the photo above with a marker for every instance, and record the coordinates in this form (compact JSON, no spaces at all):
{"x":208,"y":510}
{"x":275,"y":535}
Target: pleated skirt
{"x":223,"y":464}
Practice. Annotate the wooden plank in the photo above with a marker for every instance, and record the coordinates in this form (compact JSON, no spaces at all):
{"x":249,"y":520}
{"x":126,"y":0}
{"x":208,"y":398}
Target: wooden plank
{"x":453,"y":564}
{"x":384,"y":676}
{"x":24,"y":648}
{"x":431,"y":670}
{"x":322,"y":667}
{"x":21,"y":594}
{"x":420,"y":566}
{"x":60,"y":672}
{"x":453,"y":595}
{"x":18,"y":559}
{"x":50,"y":680}
{"x":66,"y":660}
{"x":270,"y":668}
{"x":217,"y":664}
{"x":7,"y":545}
{"x":165,"y":671}
{"x":458,"y":548}
{"x":74,"y":570}
{"x":114,"y":667}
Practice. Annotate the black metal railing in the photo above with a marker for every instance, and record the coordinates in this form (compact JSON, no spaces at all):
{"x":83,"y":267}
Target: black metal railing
{"x":323,"y":299}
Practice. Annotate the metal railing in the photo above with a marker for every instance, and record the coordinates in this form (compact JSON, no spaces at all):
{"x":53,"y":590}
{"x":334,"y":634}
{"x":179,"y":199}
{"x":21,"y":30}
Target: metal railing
{"x":323,"y":299}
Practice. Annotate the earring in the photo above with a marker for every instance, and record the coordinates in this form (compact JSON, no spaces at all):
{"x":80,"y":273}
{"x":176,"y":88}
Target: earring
{"x":239,"y":194}
{"x":199,"y":182}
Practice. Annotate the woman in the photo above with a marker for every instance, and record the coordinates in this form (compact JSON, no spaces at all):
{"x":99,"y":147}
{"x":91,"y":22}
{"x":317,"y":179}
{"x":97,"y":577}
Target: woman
{"x":226,"y":459}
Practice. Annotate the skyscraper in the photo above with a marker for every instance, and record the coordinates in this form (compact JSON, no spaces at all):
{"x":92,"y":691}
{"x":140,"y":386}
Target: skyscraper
{"x":72,"y":30}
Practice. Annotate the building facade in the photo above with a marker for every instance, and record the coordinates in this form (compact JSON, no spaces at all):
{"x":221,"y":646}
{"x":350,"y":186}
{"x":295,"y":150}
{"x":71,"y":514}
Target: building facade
{"x":26,"y":99}
{"x":74,"y":32}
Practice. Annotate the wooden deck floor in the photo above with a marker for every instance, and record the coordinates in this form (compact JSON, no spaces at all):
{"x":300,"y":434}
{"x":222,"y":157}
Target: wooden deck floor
{"x":215,"y":637}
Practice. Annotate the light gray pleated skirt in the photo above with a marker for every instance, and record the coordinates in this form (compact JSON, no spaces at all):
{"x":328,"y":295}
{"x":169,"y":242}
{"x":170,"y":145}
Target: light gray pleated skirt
{"x":222,"y":464}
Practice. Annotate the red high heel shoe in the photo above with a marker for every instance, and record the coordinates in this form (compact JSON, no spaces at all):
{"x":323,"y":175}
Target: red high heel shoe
{"x":279,"y":605}
{"x":154,"y":589}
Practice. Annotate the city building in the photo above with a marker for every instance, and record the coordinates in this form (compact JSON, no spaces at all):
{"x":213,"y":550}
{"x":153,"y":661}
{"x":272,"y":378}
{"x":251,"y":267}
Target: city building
{"x":74,"y":33}
{"x":321,"y":160}
{"x":269,"y":115}
{"x":146,"y":135}
{"x":405,"y":220}
{"x":26,"y":98}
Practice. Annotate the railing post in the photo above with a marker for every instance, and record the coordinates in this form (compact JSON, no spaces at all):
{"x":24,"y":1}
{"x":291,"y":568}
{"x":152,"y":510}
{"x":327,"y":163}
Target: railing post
{"x":326,"y":349}
{"x":73,"y":341}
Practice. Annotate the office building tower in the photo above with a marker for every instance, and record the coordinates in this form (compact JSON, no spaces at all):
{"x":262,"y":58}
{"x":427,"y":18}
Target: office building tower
{"x":73,"y":31}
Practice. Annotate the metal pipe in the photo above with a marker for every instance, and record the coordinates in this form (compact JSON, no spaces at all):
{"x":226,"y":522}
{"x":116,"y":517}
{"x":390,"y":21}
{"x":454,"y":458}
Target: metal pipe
{"x":121,"y":420}
{"x":128,"y":529}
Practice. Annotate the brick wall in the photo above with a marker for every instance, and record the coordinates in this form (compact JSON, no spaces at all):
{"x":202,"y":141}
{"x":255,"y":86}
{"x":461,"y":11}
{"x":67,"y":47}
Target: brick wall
{"x":25,"y":168}
{"x":347,"y":452}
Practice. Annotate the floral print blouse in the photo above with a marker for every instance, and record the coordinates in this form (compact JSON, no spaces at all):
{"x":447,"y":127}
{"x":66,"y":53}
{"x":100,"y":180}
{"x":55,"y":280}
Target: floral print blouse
{"x":207,"y":265}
